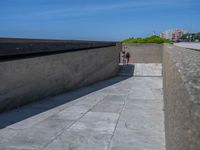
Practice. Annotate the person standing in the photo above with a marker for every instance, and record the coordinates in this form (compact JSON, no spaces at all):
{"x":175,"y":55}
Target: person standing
{"x":123,"y":57}
{"x":127,"y":57}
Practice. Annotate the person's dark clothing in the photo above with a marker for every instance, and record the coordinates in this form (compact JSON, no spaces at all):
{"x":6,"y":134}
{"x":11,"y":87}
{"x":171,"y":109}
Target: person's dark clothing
{"x":127,"y":57}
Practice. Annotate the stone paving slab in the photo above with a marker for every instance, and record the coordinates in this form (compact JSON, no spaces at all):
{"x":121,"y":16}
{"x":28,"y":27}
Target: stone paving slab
{"x":123,"y":113}
{"x":142,"y":69}
{"x":100,"y":122}
{"x":80,"y":140}
{"x":191,"y":45}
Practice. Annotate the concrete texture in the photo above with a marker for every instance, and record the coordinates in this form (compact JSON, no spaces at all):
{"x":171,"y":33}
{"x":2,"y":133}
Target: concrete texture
{"x":141,"y":69}
{"x":144,"y":52}
{"x":148,"y":69}
{"x":26,"y":80}
{"x":123,"y":113}
{"x":191,"y":45}
{"x":181,"y":75}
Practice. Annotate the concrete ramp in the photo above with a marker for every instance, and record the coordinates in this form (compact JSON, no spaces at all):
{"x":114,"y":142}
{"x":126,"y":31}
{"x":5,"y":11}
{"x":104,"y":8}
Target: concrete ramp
{"x":122,"y":113}
{"x":142,"y":69}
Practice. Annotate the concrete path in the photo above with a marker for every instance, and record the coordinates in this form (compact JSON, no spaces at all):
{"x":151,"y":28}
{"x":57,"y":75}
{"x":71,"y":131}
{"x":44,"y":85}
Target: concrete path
{"x":148,"y":70}
{"x":191,"y":45}
{"x":123,"y":113}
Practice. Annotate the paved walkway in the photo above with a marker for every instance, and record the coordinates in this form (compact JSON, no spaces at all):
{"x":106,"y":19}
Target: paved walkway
{"x":148,"y":70}
{"x":191,"y":45}
{"x":123,"y":113}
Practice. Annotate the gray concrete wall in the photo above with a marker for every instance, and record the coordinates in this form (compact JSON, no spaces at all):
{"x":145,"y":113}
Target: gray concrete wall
{"x":144,"y":52}
{"x":181,"y":81}
{"x":26,"y":80}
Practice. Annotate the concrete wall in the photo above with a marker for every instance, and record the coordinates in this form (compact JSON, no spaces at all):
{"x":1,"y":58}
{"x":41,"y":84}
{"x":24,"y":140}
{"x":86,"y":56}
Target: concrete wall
{"x":144,"y":52}
{"x":26,"y":80}
{"x":181,"y":81}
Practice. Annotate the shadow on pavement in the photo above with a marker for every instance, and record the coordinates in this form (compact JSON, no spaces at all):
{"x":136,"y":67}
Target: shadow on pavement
{"x":32,"y":109}
{"x":126,"y":69}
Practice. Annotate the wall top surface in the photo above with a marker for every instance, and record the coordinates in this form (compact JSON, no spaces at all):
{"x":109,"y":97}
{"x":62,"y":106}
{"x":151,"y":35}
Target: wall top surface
{"x":10,"y":47}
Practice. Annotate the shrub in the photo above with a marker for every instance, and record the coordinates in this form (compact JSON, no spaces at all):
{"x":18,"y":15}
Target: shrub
{"x":151,"y":39}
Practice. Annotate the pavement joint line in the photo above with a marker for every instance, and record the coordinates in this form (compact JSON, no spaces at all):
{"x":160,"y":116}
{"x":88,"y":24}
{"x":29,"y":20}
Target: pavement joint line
{"x":66,"y":128}
{"x":117,"y":123}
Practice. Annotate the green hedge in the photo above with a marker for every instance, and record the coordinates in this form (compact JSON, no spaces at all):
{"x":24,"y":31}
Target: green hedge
{"x":151,"y":39}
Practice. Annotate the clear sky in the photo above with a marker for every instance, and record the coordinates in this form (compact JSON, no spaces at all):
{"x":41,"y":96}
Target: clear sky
{"x":96,"y":19}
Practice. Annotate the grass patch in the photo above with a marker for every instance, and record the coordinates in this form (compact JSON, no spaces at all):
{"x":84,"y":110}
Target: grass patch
{"x":151,"y":39}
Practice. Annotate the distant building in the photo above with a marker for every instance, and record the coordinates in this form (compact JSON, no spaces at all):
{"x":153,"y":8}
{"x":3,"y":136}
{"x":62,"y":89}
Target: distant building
{"x":173,"y":34}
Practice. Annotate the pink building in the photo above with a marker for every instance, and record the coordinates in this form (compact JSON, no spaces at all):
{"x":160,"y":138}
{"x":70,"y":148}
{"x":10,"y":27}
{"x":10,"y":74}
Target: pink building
{"x":176,"y":35}
{"x":173,"y":34}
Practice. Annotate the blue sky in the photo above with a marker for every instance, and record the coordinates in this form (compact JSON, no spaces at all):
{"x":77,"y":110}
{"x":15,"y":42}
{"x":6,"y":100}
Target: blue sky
{"x":96,"y":19}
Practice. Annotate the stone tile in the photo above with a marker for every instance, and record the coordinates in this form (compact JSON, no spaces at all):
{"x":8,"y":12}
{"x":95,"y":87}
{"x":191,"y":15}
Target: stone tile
{"x":153,"y":82}
{"x":136,"y":114}
{"x":119,"y":91}
{"x":148,"y":69}
{"x":158,"y":93}
{"x":141,"y":94}
{"x":90,"y":100}
{"x":73,"y":112}
{"x":119,"y":99}
{"x":80,"y":140}
{"x":105,"y":106}
{"x":33,"y":138}
{"x":133,"y":140}
{"x":25,"y":117}
{"x":54,"y":124}
{"x":99,"y":122}
{"x":142,"y":125}
{"x":154,"y":104}
{"x":6,"y":135}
